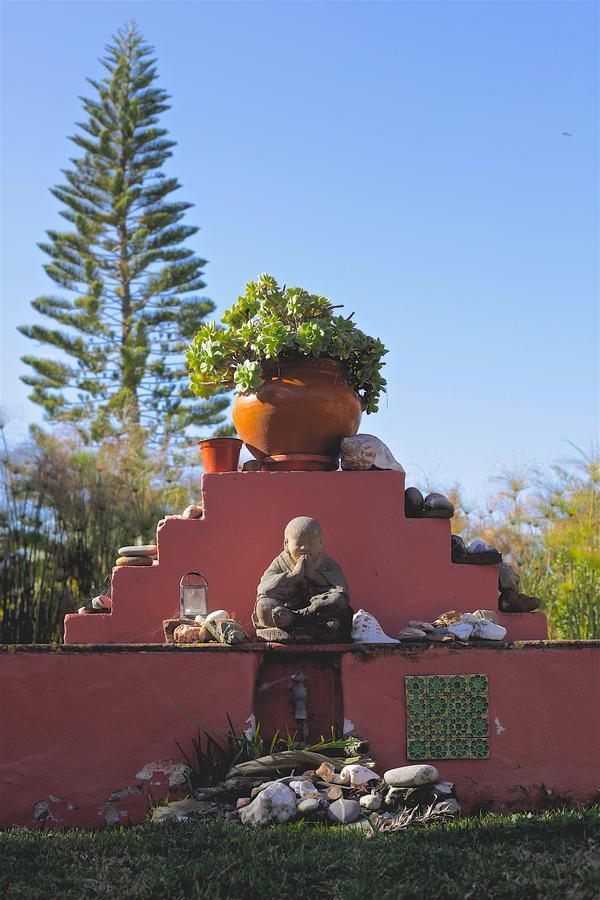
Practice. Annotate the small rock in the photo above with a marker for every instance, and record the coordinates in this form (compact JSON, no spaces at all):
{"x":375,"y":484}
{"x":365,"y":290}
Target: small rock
{"x":488,"y":631}
{"x":412,"y":634}
{"x":344,"y":811}
{"x":181,"y":810}
{"x":424,"y":626}
{"x":134,"y":561}
{"x":326,"y":771}
{"x":461,"y":630}
{"x":446,"y":619}
{"x":488,"y":614}
{"x":513,"y":601}
{"x":372,"y":802}
{"x":365,"y":451}
{"x":307,"y":806}
{"x":413,"y":503}
{"x":189,"y":634}
{"x":508,"y":579}
{"x":276,"y":803}
{"x":243,"y":801}
{"x":304,"y":789}
{"x":449,"y":807}
{"x":102,"y":602}
{"x":478,"y":546}
{"x":138,"y":550}
{"x":356,"y":775}
{"x":367,"y":630}
{"x":411,"y":776}
{"x":334,"y":793}
{"x":437,"y":506}
{"x":192,"y":512}
{"x":444,"y":787}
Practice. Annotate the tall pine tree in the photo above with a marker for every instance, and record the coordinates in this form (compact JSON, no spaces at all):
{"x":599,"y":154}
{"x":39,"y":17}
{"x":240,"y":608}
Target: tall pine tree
{"x":133,"y":306}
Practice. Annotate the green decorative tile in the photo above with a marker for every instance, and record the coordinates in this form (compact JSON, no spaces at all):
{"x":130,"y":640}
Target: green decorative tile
{"x":446,"y":716}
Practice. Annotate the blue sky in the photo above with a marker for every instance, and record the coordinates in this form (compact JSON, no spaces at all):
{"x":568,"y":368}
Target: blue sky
{"x":405,"y":159}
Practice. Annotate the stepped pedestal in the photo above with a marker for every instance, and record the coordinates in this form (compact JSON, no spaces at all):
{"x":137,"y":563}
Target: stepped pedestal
{"x":397,"y":568}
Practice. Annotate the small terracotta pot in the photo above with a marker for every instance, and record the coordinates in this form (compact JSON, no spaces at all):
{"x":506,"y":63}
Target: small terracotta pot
{"x":298,"y":416}
{"x":220,"y":454}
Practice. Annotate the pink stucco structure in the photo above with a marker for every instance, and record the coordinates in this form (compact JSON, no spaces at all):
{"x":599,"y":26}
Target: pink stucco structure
{"x":90,"y":728}
{"x":397,"y":568}
{"x":85,"y":726}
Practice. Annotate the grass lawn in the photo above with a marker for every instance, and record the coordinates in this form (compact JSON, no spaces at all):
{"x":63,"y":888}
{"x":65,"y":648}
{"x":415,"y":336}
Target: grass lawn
{"x":555,"y":855}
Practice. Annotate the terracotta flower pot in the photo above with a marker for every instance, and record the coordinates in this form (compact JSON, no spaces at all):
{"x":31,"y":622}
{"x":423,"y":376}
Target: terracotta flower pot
{"x":297,"y":418}
{"x":220,"y":454}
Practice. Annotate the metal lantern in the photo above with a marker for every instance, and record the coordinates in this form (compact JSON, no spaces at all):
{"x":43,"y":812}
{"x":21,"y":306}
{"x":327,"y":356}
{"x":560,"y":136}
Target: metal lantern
{"x":193,"y":595}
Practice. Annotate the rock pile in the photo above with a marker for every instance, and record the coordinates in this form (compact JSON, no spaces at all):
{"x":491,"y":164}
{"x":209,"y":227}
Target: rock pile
{"x":349,"y":795}
{"x":450,"y":626}
{"x":137,"y":555}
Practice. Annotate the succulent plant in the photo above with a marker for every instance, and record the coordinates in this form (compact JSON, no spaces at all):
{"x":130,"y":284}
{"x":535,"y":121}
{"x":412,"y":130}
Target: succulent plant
{"x":271,"y":323}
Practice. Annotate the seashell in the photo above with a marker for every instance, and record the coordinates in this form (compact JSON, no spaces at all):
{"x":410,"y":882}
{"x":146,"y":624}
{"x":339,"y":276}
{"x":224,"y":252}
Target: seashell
{"x":489,"y":631}
{"x":367,"y":630}
{"x":461,"y":630}
{"x":411,"y":776}
{"x":216,"y":615}
{"x":344,"y":811}
{"x":371,"y":802}
{"x":358,"y":775}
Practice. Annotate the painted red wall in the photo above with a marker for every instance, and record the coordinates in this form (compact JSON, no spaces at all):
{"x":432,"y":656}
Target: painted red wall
{"x":78,"y":725}
{"x":397,"y":568}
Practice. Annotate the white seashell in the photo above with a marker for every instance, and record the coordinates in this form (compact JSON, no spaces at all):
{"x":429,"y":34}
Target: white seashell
{"x":344,"y":811}
{"x":411,"y":776}
{"x":489,"y":631}
{"x":371,"y":801}
{"x":367,"y":630}
{"x":216,"y":615}
{"x":461,"y":630}
{"x":358,"y":775}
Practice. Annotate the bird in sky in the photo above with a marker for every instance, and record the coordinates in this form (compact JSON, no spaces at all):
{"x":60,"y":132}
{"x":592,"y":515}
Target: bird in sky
{"x":566,"y":134}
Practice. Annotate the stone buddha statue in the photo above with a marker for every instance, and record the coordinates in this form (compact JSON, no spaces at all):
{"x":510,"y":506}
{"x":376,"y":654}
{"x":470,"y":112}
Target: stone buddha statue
{"x":303,"y":595}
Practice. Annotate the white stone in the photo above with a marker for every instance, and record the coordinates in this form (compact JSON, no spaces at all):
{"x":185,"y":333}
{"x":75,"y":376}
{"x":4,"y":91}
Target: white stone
{"x":449,"y":807}
{"x":489,"y":631}
{"x":216,"y":615}
{"x":365,"y":451}
{"x":461,"y":630}
{"x":304,"y":789}
{"x":367,"y":630}
{"x":444,"y":787}
{"x":308,"y":805}
{"x":411,"y":776}
{"x":276,"y":803}
{"x":344,"y":811}
{"x":356,"y":775}
{"x":371,"y":802}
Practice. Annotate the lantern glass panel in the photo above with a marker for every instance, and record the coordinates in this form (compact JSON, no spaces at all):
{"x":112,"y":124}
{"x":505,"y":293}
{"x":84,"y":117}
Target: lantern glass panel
{"x":193,"y":596}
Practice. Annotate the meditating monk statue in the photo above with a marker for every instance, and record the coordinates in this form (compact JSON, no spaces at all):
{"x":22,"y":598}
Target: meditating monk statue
{"x":303,"y":595}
